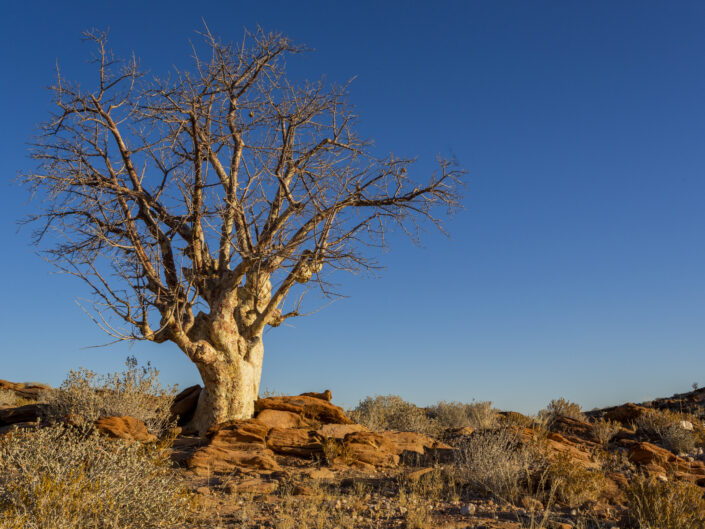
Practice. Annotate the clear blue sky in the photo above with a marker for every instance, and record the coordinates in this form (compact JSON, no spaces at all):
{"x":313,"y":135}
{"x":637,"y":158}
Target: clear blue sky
{"x":577,"y":268}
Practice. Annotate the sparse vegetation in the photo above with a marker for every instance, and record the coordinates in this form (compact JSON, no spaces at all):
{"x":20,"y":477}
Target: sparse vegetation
{"x":59,"y":477}
{"x":575,"y":484}
{"x":459,"y":414}
{"x":391,"y":412}
{"x":87,"y":396}
{"x":657,"y":504}
{"x":666,"y":427}
{"x":497,"y":462}
{"x":7,"y":398}
{"x":562,"y":408}
{"x":605,"y":430}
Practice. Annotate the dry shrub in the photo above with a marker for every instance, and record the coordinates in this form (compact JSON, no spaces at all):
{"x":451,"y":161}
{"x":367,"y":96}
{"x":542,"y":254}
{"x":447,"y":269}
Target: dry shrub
{"x":458,"y":415}
{"x":391,"y":412}
{"x":438,"y":484}
{"x":575,"y":484}
{"x":497,"y":462}
{"x":136,"y":392}
{"x":605,"y":430}
{"x":62,"y":478}
{"x":664,"y":426}
{"x":7,"y":398}
{"x":666,"y":505}
{"x":562,"y":408}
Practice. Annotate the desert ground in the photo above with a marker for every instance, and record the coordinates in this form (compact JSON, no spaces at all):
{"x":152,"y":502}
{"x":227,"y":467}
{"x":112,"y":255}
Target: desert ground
{"x":119,"y":451}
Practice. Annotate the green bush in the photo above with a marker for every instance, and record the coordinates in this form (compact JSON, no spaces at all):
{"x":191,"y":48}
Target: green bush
{"x":60,"y":477}
{"x":136,"y":392}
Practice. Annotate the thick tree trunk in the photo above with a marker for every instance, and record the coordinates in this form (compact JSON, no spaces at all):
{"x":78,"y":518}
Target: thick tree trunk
{"x":231,"y":386}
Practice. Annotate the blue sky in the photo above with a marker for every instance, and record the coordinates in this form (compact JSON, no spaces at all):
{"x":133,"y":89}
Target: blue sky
{"x":577,"y":266}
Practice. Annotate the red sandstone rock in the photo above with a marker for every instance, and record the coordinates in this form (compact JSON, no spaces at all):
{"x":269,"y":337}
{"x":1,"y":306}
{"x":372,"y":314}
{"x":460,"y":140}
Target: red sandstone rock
{"x":127,"y":428}
{"x":308,"y":407}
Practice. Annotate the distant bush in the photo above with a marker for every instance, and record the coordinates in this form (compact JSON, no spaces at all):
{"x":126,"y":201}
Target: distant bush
{"x":61,"y":478}
{"x":458,"y":415}
{"x":7,"y":398}
{"x":136,"y":392}
{"x":666,"y":505}
{"x":391,"y":412}
{"x":605,"y":430}
{"x":497,"y":462}
{"x":562,"y":408}
{"x":665,"y":427}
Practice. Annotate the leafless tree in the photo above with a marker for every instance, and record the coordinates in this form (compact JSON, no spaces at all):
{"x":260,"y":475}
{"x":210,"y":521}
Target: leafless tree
{"x":192,"y":205}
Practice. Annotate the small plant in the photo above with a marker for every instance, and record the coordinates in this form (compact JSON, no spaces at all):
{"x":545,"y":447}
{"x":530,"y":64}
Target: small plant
{"x":605,"y":430}
{"x":497,"y":462}
{"x":666,"y":505}
{"x":61,"y":478}
{"x":7,"y":398}
{"x":87,"y":396}
{"x":458,"y":415}
{"x":562,"y":408}
{"x":575,"y":484}
{"x":391,"y":412}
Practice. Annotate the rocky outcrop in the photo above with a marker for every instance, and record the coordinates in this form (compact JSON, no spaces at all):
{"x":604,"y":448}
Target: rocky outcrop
{"x":25,"y":390}
{"x":125,"y":428}
{"x":184,"y":405}
{"x":22,"y":414}
{"x":326,"y":395}
{"x":232,"y":445}
{"x":310,"y":408}
{"x":625,"y":414}
{"x":283,"y":419}
{"x":295,"y":442}
{"x":659,"y":462}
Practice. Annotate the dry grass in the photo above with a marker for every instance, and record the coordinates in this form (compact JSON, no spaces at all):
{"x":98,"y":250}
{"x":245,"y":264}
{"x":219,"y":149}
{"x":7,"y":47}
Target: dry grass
{"x":61,"y":478}
{"x":666,"y":505}
{"x":136,"y":392}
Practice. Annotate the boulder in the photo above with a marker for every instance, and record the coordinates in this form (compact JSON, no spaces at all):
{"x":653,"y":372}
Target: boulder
{"x":25,"y":390}
{"x":326,"y":395}
{"x":295,"y":442}
{"x":184,"y":404}
{"x":310,"y":408}
{"x":26,"y":413}
{"x":577,"y":431}
{"x":127,"y":428}
{"x":282,"y":419}
{"x":417,"y":448}
{"x":560,"y":445}
{"x":252,"y":486}
{"x":339,"y":431}
{"x":626,"y":413}
{"x":234,"y":445}
{"x":658,"y":461}
{"x":369,"y":448}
